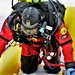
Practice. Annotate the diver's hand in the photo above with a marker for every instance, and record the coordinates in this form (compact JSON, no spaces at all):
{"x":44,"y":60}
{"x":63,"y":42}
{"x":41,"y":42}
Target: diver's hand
{"x":70,"y":71}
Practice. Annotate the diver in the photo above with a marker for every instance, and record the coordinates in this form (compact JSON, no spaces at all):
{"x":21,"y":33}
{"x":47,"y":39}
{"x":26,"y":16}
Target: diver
{"x":39,"y":27}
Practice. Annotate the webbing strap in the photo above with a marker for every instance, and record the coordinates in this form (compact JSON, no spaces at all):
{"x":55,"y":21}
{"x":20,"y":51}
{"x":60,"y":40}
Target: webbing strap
{"x":4,"y":38}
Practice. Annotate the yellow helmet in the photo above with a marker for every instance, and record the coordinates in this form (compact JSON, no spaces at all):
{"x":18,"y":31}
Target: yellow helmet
{"x":34,"y":1}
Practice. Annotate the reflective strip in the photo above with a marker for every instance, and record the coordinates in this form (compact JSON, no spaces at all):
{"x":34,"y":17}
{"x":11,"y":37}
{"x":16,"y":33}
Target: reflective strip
{"x":25,"y":0}
{"x":35,"y":1}
{"x":16,"y":27}
{"x":28,"y":0}
{"x":49,"y":28}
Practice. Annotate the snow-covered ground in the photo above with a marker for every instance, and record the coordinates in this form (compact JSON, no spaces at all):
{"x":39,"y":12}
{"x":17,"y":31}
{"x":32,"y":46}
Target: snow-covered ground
{"x":5,"y":10}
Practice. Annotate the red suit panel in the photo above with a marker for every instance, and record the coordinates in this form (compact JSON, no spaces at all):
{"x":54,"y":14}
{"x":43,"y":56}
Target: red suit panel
{"x":7,"y":34}
{"x":66,"y":42}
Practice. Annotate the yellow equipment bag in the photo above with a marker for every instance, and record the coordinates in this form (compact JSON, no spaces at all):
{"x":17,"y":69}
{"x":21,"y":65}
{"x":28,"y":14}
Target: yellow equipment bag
{"x":69,"y":19}
{"x":10,"y":60}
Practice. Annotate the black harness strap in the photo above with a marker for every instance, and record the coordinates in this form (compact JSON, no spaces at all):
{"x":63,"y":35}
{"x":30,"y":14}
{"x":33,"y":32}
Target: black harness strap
{"x":4,"y":38}
{"x":66,"y":42}
{"x":39,"y":0}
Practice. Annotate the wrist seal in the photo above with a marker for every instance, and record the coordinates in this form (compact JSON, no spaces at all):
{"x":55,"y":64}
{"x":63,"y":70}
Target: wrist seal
{"x":69,"y":65}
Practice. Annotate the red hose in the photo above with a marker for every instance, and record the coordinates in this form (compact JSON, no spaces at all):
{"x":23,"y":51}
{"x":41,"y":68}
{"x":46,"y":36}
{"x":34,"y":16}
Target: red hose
{"x":51,"y":64}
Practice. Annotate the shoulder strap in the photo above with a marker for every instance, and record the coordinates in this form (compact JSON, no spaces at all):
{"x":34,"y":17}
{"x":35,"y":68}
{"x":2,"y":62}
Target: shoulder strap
{"x":20,"y":6}
{"x":61,"y":7}
{"x":12,"y":19}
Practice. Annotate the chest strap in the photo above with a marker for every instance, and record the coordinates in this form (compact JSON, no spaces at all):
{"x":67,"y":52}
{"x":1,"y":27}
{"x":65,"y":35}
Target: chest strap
{"x":4,"y":38}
